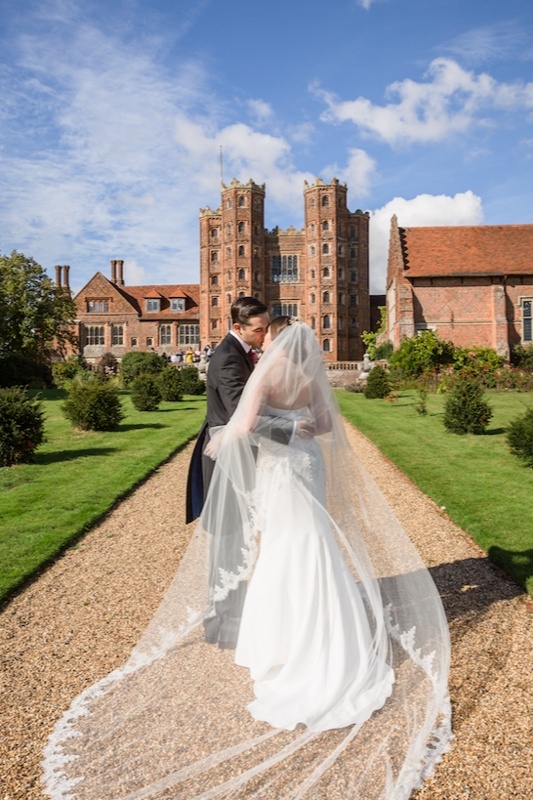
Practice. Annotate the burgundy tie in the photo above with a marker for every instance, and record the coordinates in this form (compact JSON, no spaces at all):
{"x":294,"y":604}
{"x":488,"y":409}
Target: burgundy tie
{"x":251,"y":358}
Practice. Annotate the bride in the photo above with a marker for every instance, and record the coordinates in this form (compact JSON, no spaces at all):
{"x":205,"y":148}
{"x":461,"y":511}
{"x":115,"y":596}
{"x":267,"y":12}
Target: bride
{"x":335,"y":619}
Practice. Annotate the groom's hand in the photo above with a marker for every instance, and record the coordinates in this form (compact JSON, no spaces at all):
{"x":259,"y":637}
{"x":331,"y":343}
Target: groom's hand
{"x":304,"y":428}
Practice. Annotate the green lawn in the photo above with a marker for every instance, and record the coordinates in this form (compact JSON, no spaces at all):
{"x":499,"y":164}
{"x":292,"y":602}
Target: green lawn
{"x":77,"y":476}
{"x":485,"y":490}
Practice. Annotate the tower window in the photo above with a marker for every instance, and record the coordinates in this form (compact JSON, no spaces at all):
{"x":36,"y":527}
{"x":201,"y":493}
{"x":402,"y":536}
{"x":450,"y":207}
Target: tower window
{"x":241,"y":250}
{"x":241,"y":276}
{"x":240,"y":227}
{"x":325,"y":200}
{"x":325,"y":297}
{"x":284,"y":269}
{"x":325,"y":249}
{"x":241,"y":202}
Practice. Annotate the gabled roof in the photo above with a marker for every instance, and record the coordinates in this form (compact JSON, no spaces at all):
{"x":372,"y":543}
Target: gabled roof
{"x":137,"y":294}
{"x":467,"y":250}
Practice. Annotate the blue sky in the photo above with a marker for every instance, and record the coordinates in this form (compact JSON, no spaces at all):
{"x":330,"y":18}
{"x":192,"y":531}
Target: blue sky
{"x":112,"y":116}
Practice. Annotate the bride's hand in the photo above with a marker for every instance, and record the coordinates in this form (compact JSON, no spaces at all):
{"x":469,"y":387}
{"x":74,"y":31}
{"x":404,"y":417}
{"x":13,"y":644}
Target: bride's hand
{"x":304,"y":428}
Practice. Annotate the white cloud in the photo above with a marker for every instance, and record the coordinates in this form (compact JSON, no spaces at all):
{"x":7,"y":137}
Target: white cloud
{"x":488,"y":42}
{"x":366,"y":3}
{"x":260,"y":111}
{"x":450,"y":102}
{"x":464,"y":208}
{"x":357,"y":173}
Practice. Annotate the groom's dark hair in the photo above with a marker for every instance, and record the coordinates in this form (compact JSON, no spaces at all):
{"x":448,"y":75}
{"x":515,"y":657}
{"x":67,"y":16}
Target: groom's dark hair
{"x":244,"y":308}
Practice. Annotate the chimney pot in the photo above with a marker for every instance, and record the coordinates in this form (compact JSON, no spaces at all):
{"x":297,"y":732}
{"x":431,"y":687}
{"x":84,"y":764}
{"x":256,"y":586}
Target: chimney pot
{"x":58,"y":274}
{"x":113,"y":271}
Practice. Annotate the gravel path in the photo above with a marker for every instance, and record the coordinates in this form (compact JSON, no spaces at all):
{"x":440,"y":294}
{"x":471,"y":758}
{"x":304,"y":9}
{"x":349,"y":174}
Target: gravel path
{"x":81,"y":618}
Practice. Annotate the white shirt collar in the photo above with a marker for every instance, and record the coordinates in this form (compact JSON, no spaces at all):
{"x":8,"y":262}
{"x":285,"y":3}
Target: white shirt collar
{"x":245,"y":347}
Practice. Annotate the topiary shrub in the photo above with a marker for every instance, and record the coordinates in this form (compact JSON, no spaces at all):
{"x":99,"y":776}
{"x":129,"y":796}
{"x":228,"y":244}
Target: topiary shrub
{"x":135,"y":363}
{"x":520,"y":437}
{"x":145,"y":392}
{"x":378,"y":384}
{"x":191,"y":381}
{"x":465,"y":409}
{"x":21,"y":426}
{"x":65,"y":371}
{"x":93,"y":404}
{"x":170,"y":386}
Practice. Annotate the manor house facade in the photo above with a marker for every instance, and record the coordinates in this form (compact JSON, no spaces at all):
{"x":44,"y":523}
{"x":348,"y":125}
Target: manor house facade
{"x":318,"y":274}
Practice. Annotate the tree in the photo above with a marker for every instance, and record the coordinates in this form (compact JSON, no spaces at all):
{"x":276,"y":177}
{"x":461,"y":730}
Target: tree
{"x":36,"y":314}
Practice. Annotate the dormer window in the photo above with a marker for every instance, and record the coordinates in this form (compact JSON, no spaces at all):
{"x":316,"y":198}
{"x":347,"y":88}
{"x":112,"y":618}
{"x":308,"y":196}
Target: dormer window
{"x":177,"y":304}
{"x":153,"y":304}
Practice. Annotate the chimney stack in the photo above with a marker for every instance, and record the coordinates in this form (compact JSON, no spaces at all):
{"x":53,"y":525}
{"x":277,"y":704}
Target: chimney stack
{"x":120,"y":266}
{"x":58,"y":275}
{"x":66,"y":270}
{"x":113,"y":271}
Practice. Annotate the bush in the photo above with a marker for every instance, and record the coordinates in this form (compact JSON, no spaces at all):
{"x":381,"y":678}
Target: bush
{"x":145,"y":392}
{"x":421,"y":353}
{"x":520,"y":437}
{"x":523,"y":357}
{"x":191,"y":381}
{"x":384,"y":351}
{"x":378,"y":384}
{"x":135,"y":363}
{"x":108,"y":365}
{"x":93,"y":405}
{"x":465,"y":409}
{"x":65,"y":371}
{"x":170,"y":385}
{"x":21,"y":426}
{"x":21,"y":370}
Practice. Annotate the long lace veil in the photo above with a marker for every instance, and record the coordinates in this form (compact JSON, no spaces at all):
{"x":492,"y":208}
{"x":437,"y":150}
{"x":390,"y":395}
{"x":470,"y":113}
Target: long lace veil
{"x":173,"y":723}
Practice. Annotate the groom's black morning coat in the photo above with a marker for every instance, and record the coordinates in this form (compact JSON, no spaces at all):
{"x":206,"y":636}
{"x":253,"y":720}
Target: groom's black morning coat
{"x":228,"y":370}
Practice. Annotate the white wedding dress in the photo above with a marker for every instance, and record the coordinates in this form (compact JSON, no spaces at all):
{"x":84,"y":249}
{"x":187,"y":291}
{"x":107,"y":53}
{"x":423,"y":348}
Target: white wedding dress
{"x":305,"y":634}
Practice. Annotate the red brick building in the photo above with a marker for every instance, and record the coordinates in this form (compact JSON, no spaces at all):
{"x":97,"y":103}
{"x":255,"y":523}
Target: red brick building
{"x":318,"y":274}
{"x":472,"y":285}
{"x":116,"y":318}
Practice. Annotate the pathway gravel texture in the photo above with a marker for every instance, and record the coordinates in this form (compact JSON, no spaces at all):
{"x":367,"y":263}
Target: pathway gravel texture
{"x":82,"y":616}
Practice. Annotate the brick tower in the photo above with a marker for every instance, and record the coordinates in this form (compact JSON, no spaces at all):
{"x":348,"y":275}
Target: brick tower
{"x":318,"y":274}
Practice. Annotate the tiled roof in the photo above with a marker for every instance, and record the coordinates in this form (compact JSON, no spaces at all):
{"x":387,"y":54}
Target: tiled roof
{"x":465,"y":250}
{"x":137,"y":294}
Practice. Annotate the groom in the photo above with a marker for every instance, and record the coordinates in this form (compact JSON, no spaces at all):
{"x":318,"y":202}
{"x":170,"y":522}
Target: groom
{"x":230,"y":367}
